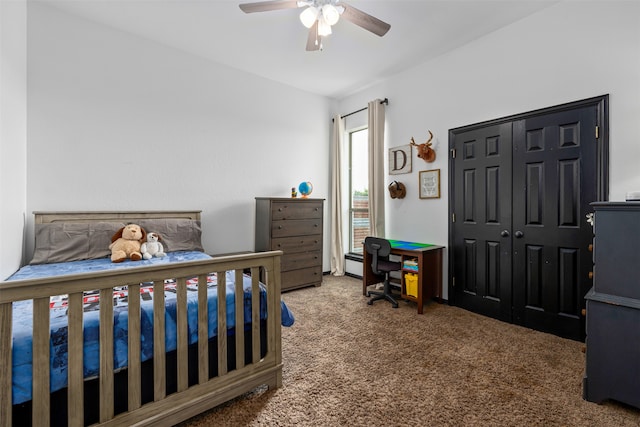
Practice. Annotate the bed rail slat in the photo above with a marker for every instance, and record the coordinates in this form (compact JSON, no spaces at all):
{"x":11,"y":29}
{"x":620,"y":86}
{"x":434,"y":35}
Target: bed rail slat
{"x":255,"y":314}
{"x":41,"y":402}
{"x":182,"y":335}
{"x":134,"y":377}
{"x":274,"y":334}
{"x":203,"y":330}
{"x":159,"y":362}
{"x":222,"y":322}
{"x":75,"y":399}
{"x":106,"y":354}
{"x":239,"y":304}
{"x":5,"y":374}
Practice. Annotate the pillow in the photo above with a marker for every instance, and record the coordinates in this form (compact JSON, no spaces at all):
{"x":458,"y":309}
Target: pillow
{"x":73,"y":241}
{"x":177,"y":234}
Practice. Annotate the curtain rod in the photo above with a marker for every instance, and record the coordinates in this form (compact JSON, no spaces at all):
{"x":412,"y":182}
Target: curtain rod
{"x":384,"y":101}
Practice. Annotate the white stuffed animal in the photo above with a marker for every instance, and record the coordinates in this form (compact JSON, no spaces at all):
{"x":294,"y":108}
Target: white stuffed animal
{"x":152,"y":247}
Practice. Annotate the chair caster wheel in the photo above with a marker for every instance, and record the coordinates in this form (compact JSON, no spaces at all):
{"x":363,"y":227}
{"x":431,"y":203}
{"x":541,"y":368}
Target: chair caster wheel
{"x":395,"y":305}
{"x":369,"y":302}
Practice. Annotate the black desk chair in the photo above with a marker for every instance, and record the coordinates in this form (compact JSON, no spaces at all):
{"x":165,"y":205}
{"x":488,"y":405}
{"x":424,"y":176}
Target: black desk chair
{"x":380,"y":264}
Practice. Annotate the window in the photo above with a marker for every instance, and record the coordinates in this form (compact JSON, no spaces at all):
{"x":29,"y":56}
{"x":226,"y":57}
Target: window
{"x":358,"y":189}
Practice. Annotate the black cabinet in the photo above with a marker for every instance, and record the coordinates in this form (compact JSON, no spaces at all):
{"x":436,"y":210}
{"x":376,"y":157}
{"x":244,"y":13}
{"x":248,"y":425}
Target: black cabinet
{"x":613,"y":306}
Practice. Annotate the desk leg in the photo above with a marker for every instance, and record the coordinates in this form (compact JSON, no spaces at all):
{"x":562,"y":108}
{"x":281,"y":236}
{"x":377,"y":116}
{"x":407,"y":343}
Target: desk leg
{"x":430,"y":277}
{"x":422,"y":280}
{"x":434,"y":274}
{"x":437,"y":275}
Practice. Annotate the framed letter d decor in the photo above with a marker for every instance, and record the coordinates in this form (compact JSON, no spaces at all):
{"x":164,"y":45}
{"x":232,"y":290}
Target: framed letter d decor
{"x":400,"y":160}
{"x":430,"y":184}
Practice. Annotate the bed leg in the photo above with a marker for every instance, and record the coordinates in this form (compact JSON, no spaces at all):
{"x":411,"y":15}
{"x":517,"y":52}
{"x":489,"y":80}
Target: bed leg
{"x":278,"y":380}
{"x":275,"y":380}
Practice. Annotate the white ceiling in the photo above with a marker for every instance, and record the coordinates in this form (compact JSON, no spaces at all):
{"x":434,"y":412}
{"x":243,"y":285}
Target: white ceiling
{"x":272,"y":44}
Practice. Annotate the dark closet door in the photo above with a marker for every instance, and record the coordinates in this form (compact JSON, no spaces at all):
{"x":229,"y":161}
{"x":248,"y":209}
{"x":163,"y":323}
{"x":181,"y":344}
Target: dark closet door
{"x":554,"y":180}
{"x":482,"y":227}
{"x":519,"y":193}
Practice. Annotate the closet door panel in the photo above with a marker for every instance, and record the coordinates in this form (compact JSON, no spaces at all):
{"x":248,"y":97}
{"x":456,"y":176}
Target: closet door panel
{"x":483,"y":199}
{"x":551,"y":234}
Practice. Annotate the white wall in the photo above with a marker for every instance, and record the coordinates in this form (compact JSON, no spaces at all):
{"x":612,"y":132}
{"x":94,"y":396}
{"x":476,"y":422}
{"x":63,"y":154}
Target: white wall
{"x":13,"y":132}
{"x":570,"y":51}
{"x":117,"y":122}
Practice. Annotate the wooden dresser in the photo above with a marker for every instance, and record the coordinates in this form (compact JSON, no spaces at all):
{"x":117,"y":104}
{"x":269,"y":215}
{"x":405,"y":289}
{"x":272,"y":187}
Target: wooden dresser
{"x":293,"y":226}
{"x":613,"y":306}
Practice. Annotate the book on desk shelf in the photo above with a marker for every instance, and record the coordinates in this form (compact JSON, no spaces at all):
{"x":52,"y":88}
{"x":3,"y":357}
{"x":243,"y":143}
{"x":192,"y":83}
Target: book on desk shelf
{"x":410,"y":264}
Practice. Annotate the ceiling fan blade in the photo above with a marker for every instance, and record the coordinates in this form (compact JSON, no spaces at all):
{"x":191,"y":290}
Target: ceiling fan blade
{"x":313,"y":39}
{"x":266,"y":6}
{"x":364,"y":20}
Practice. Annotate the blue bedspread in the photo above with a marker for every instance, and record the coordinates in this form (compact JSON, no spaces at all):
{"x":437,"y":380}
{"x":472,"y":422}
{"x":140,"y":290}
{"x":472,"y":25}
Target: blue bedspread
{"x":23,"y":319}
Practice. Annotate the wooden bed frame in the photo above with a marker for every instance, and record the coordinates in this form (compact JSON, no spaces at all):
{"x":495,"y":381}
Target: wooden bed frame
{"x":170,"y":409}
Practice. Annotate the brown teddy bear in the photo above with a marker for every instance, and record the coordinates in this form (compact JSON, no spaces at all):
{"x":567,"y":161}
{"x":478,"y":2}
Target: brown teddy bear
{"x":126,"y":243}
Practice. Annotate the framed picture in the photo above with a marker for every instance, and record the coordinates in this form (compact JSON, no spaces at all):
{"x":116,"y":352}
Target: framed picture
{"x":400,"y":160}
{"x":429,"y":184}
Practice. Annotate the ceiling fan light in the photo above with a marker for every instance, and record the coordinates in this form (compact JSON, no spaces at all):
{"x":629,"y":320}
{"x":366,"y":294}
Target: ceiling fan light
{"x":309,"y":16}
{"x":330,"y":14}
{"x":324,"y":29}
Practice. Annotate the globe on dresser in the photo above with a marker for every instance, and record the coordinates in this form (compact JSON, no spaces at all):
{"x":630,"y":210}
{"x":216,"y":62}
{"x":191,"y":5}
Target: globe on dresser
{"x":305,"y":188}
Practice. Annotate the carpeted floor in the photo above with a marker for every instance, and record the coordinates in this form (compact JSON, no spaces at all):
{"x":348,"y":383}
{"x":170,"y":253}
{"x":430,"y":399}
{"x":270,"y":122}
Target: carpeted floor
{"x":350,"y":364}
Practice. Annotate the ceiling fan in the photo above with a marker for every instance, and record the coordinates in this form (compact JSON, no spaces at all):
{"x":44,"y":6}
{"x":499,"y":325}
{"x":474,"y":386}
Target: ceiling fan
{"x":320,"y":15}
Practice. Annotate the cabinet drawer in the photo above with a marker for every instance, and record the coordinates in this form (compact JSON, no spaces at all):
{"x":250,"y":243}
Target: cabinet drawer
{"x":302,"y":277}
{"x":296,"y":227}
{"x":296,"y":210}
{"x":297,"y":244}
{"x":299,"y":260}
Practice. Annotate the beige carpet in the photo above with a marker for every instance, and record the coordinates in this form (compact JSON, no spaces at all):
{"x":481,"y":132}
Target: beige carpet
{"x":350,"y":364}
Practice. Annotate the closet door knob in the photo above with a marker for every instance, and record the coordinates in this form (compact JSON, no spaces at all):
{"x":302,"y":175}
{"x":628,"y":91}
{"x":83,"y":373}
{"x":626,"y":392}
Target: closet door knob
{"x":504,"y":233}
{"x":518,"y":234}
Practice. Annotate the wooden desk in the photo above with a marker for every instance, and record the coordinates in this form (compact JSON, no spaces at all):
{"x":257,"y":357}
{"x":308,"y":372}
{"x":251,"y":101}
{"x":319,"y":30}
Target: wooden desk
{"x":429,"y":258}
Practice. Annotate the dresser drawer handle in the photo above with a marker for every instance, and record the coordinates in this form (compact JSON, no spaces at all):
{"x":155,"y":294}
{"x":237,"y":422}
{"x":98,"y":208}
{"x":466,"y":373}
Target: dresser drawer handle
{"x":279,"y":227}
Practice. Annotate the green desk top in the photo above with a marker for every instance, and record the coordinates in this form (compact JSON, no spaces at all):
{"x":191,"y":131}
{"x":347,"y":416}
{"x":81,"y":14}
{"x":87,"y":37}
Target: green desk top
{"x":409,"y":246}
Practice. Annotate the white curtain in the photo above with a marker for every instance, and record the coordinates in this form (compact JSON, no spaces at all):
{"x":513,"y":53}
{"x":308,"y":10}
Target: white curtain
{"x":376,"y":168}
{"x":337,"y":250}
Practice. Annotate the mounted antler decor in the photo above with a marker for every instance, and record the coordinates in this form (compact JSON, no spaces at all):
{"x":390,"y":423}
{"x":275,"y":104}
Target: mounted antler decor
{"x":425,"y":152}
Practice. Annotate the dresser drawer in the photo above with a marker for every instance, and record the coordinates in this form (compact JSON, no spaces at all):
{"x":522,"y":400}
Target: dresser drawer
{"x":295,"y":261}
{"x":302,"y":277}
{"x":297,"y":227}
{"x":297,"y":244}
{"x":296,"y":210}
